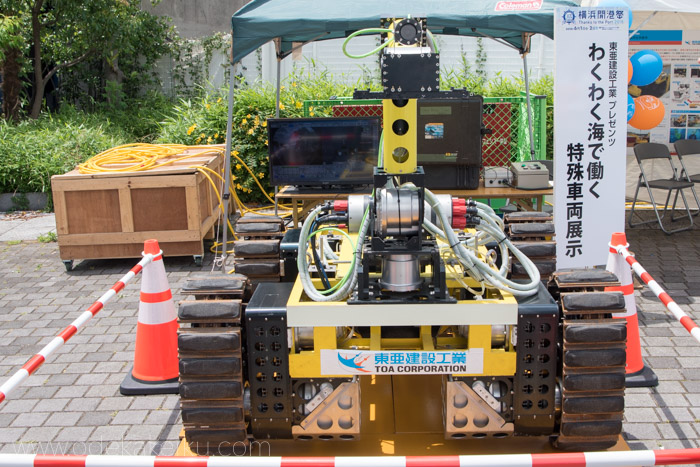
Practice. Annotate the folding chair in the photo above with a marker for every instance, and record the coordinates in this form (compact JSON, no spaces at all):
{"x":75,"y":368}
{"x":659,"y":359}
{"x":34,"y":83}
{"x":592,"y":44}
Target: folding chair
{"x":689,"y":147}
{"x":649,"y":151}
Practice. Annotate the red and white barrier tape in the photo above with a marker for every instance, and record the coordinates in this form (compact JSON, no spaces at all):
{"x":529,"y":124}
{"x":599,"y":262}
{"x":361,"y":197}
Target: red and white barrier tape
{"x":672,"y":306}
{"x":37,"y":360}
{"x":577,"y":459}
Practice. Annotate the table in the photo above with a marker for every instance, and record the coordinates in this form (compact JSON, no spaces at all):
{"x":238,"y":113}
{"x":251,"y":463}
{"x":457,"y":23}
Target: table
{"x":304,"y":201}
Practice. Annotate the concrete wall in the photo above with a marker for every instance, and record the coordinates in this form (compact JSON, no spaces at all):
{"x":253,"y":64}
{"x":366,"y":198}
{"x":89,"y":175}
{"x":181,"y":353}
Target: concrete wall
{"x":196,"y":18}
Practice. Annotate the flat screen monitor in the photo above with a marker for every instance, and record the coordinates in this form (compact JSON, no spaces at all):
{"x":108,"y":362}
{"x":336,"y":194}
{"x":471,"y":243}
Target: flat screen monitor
{"x":323,"y":151}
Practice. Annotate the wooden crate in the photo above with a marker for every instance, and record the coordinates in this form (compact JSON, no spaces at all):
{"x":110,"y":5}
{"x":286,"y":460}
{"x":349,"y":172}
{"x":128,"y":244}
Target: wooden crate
{"x":110,"y":215}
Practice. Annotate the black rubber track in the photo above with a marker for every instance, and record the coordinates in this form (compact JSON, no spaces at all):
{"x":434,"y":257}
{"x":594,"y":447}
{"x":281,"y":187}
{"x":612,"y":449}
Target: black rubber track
{"x":212,"y":416}
{"x":210,"y":390}
{"x":578,"y":334}
{"x":210,"y":366}
{"x":208,"y":342}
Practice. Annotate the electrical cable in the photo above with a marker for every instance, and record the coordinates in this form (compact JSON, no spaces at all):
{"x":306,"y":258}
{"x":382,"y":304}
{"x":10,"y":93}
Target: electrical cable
{"x":367,"y":31}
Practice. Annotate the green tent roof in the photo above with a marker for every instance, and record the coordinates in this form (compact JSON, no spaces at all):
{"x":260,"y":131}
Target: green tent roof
{"x":260,"y":21}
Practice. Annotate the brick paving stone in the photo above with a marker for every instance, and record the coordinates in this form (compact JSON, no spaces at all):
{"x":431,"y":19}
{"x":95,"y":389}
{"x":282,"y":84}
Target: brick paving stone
{"x":110,"y":433}
{"x":30,"y":419}
{"x":42,"y":433}
{"x":147,"y":402}
{"x":63,"y":419}
{"x":94,"y":418}
{"x":669,"y":400}
{"x":10,"y":435}
{"x":144,"y":433}
{"x":647,"y":415}
{"x":640,"y":431}
{"x":114,"y":403}
{"x":675,"y":414}
{"x":130,"y":417}
{"x":83,"y":404}
{"x":71,"y":391}
{"x":75,"y":433}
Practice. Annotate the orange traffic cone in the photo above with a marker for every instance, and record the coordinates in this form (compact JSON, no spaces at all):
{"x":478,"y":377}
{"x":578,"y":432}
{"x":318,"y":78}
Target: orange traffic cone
{"x":637,"y":374}
{"x":155,"y":369}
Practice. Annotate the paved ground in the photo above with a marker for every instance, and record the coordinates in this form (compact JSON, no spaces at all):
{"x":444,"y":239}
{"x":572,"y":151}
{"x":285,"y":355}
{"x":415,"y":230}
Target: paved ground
{"x":72,"y":404}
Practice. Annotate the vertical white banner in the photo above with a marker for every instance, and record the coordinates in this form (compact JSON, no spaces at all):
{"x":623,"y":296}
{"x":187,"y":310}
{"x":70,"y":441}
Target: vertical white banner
{"x":590,"y":131}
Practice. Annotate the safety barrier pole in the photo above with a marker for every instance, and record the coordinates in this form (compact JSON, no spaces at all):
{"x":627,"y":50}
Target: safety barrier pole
{"x":37,"y":360}
{"x":665,"y":298}
{"x":578,"y":459}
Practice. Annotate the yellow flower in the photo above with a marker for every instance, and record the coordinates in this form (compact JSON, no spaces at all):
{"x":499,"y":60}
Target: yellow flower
{"x":207,"y":106}
{"x":266,"y":143}
{"x":209,"y":140}
{"x":202,"y":135}
{"x":311,"y":109}
{"x":294,"y":83}
{"x":244,"y":121}
{"x":271,"y":194}
{"x":281,"y":87}
{"x":218,"y":100}
{"x":235,"y":153}
{"x":311,"y":114}
{"x":250,"y":132}
{"x":261,"y":174}
{"x":197,"y":141}
{"x":264,"y":123}
{"x":299,"y":105}
{"x":281,"y":106}
{"x":216,"y":135}
{"x":257,"y":120}
{"x":234,"y":178}
{"x":238,"y":186}
{"x":191,"y":129}
{"x":238,"y":166}
{"x":248,"y":116}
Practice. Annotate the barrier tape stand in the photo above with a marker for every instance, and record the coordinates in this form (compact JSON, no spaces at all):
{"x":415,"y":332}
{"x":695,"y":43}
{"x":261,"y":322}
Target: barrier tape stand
{"x":37,"y":360}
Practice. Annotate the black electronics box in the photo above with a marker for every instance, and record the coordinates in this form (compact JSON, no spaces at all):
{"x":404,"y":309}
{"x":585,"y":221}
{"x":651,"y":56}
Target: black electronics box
{"x":449,"y":142}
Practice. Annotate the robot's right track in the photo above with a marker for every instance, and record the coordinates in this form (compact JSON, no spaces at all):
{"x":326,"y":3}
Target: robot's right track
{"x":593,"y":360}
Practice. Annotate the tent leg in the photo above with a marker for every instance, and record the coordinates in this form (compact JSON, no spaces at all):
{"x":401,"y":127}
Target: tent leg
{"x":226,"y":192}
{"x":279,"y":72}
{"x":529,"y":107}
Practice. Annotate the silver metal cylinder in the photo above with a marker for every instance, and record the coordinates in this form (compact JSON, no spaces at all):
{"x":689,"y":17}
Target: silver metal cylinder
{"x":304,"y":336}
{"x":498,"y":334}
{"x":445,"y":205}
{"x":356,"y":211}
{"x":398,"y":212}
{"x":400,"y":273}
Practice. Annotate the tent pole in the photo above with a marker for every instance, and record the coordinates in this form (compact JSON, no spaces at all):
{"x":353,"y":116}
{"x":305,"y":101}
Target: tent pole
{"x":226,"y":192}
{"x":529,"y":113}
{"x":277,"y":100}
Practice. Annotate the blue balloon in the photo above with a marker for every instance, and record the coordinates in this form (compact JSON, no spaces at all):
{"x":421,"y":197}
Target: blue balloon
{"x":647,"y":66}
{"x":630,"y":107}
{"x":616,"y":3}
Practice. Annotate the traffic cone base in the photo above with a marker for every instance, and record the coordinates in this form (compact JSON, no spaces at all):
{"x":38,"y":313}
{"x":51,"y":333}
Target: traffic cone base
{"x":155,"y":369}
{"x":637,"y":374}
{"x":644,"y":378}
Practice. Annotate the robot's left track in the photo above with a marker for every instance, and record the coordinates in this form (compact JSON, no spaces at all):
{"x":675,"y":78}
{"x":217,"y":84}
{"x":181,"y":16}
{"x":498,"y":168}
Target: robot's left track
{"x":212,"y":380}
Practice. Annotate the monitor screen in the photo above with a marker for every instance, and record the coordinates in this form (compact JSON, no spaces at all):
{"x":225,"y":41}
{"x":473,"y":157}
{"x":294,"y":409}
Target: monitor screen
{"x":323,"y":151}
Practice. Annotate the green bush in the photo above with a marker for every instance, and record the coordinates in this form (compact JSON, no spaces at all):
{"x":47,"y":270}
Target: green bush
{"x":34,"y":150}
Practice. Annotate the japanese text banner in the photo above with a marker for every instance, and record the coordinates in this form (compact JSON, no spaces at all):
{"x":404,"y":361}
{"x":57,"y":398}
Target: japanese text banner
{"x":590,"y":129}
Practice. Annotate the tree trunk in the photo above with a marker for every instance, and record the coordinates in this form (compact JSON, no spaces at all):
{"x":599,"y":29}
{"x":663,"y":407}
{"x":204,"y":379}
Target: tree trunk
{"x":38,"y":94}
{"x":11,"y":85}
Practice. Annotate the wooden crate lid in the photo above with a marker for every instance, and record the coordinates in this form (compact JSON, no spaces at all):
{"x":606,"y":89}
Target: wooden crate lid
{"x":207,"y":159}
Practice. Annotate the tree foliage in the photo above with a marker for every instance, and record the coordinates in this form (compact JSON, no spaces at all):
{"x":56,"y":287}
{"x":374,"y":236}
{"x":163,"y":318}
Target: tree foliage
{"x":118,"y":40}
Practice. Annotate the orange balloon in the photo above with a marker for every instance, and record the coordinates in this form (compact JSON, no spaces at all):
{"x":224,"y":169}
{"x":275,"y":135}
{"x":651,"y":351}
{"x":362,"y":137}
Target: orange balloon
{"x":630,"y":71}
{"x":649,"y":112}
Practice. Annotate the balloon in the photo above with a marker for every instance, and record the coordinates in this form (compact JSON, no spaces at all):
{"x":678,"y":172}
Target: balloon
{"x":647,"y":66}
{"x":649,"y":112}
{"x":630,"y":107}
{"x":616,"y":3}
{"x":630,"y":71}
